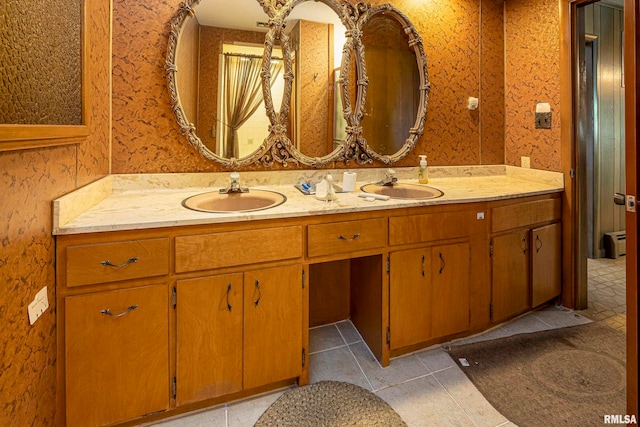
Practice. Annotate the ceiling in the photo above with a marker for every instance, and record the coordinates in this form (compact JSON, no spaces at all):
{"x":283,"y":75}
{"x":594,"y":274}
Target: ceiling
{"x":244,"y":14}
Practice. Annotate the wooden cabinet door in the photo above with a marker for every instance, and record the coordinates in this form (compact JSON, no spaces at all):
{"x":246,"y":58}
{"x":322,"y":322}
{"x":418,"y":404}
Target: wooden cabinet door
{"x":510,"y":275}
{"x":409,"y":297}
{"x":116,"y":355}
{"x":272,"y":325}
{"x":546,"y":264}
{"x":450,"y":289}
{"x":209,"y":337}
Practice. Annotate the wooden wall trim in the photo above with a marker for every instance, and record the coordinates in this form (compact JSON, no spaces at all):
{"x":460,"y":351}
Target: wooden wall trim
{"x":631,"y":62}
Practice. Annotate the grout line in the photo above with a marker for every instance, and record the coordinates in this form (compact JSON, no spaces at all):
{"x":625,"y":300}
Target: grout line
{"x":360,"y":367}
{"x":455,"y":401}
{"x":226,"y":415}
{"x":328,"y":349}
{"x":430,"y":374}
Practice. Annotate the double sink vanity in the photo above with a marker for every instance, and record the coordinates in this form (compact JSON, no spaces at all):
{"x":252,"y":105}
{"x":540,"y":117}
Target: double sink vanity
{"x":164,"y":309}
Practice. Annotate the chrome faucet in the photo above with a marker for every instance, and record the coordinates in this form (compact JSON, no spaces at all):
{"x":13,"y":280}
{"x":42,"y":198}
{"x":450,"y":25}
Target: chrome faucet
{"x":389,"y":178}
{"x":234,"y":185}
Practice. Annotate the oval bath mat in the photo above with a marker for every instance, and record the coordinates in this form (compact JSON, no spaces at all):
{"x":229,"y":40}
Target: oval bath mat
{"x":330,"y":404}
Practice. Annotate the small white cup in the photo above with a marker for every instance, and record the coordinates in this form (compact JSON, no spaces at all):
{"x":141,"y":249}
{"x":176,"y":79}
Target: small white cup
{"x":349,"y":181}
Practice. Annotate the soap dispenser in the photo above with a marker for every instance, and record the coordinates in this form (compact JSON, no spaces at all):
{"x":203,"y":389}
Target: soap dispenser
{"x":423,"y":173}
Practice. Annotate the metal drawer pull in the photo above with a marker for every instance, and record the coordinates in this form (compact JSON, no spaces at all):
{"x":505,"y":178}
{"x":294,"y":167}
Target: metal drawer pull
{"x":442,"y":263}
{"x":127,"y":262}
{"x":228,"y":292}
{"x":256,"y":302}
{"x":108,"y":312}
{"x":422,"y":265}
{"x":355,"y":236}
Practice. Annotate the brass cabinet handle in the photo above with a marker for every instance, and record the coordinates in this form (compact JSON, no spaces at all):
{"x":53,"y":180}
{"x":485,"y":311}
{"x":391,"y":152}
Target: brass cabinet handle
{"x":256,"y":302}
{"x":422,"y":265}
{"x":108,"y":263}
{"x":538,"y":241}
{"x":442,"y":263}
{"x":523,"y":246}
{"x":229,"y":307}
{"x":107,"y":312}
{"x":355,"y":236}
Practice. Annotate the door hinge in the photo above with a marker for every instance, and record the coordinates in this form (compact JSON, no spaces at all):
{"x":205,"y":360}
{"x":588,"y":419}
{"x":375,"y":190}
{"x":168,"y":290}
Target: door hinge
{"x":304,"y":357}
{"x":388,"y":265}
{"x":490,"y":249}
{"x":490,"y":310}
{"x":174,"y":387}
{"x":572,"y":173}
{"x":303,"y":276}
{"x":388,"y":335}
{"x":174,"y":297}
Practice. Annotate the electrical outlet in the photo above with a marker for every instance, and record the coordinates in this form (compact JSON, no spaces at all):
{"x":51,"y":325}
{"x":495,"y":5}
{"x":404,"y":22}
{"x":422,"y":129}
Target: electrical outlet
{"x":525,"y":162}
{"x":39,"y":305}
{"x":543,"y":120}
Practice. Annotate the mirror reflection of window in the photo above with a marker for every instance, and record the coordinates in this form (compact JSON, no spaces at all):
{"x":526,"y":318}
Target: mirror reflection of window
{"x":242,"y":117}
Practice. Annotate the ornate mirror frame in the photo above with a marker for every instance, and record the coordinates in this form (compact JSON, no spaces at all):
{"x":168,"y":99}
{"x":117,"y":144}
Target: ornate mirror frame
{"x":277,"y":147}
{"x":27,"y":136}
{"x":415,"y":42}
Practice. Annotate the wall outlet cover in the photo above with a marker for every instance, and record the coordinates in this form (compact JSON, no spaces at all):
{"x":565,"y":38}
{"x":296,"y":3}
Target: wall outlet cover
{"x":525,"y":162}
{"x":38,"y":306}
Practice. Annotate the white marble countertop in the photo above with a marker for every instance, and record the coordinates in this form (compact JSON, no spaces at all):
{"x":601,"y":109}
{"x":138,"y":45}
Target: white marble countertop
{"x":129,"y":202}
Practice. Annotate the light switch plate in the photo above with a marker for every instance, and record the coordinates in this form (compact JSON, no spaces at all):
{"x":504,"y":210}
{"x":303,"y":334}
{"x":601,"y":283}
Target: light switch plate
{"x":39,"y":305}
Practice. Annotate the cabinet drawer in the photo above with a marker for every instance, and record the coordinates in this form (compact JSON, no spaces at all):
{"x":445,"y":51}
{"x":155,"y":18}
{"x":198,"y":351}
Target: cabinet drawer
{"x":348,"y":236}
{"x":111,"y":262}
{"x":524,"y":214}
{"x":215,"y":250}
{"x":430,"y":227}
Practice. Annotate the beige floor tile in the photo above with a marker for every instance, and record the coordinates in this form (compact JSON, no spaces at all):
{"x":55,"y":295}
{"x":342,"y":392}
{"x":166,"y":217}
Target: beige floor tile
{"x":436,"y":359}
{"x":469,"y":398}
{"x":247,"y":412}
{"x":336,"y":365}
{"x":324,"y":338}
{"x":349,"y":332}
{"x":423,"y":402}
{"x":400,"y":370}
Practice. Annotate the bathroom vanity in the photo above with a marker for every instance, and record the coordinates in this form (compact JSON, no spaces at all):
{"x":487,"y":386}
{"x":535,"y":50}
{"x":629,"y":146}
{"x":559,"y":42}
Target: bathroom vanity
{"x":162,"y":309}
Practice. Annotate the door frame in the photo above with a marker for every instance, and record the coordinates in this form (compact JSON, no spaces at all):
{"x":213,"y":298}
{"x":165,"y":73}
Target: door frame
{"x":574,"y":247}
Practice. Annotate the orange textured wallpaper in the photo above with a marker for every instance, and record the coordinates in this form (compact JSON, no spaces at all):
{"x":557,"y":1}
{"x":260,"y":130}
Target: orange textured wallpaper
{"x":532,"y":73}
{"x":30,"y":180}
{"x":146,"y":138}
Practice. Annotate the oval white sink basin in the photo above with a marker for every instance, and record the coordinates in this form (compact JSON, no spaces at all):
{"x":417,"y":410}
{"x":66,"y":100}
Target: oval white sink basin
{"x":403,"y":191}
{"x":216,"y":202}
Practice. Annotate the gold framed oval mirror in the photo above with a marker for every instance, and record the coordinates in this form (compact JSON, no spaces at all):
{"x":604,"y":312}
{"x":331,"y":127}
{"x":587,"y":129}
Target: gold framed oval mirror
{"x":321,"y":105}
{"x":214,"y":66}
{"x":398,"y":85}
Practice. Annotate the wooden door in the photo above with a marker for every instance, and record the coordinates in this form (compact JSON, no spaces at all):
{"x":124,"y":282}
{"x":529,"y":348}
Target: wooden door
{"x":546,"y":263}
{"x":409,"y":297}
{"x":272,"y":325}
{"x":450,"y":289}
{"x":116,"y":355}
{"x":209,"y":337}
{"x":510,"y":275}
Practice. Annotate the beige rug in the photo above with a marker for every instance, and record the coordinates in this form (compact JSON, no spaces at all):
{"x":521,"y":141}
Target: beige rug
{"x":330,"y":404}
{"x":563,"y":377}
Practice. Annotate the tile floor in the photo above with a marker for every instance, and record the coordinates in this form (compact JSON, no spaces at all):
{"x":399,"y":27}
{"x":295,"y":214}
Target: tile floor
{"x":606,"y":292}
{"x":426,"y":388}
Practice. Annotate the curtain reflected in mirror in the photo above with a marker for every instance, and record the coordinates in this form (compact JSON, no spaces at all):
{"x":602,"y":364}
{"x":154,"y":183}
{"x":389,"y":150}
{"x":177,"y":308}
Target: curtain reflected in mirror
{"x":242,"y":96}
{"x":393,"y":95}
